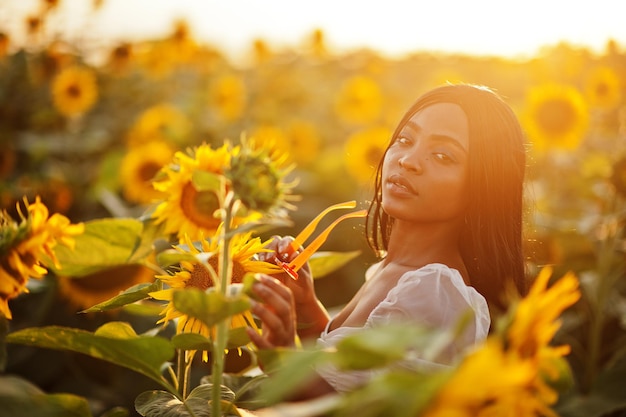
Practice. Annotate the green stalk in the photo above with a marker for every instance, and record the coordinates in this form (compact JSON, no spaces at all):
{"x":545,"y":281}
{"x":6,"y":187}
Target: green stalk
{"x":183,"y":372}
{"x":180,"y":369}
{"x":219,"y":346}
{"x":187,"y":372}
{"x":606,"y":279}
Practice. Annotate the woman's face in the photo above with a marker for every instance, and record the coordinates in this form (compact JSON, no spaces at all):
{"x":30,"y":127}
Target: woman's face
{"x":425,"y":170}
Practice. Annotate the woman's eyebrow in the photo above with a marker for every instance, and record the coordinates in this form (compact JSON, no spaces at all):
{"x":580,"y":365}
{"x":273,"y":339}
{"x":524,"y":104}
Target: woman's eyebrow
{"x":437,"y":137}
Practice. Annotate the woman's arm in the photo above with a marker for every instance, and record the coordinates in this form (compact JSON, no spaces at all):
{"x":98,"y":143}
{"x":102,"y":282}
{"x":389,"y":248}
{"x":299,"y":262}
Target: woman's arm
{"x":312,"y":319}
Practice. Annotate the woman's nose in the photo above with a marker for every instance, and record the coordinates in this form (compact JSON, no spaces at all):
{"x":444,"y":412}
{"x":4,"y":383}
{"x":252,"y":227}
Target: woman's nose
{"x":411,"y":162}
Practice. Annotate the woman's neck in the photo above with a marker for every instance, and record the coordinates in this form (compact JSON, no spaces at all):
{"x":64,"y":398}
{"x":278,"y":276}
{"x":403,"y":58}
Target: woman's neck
{"x":415,"y":245}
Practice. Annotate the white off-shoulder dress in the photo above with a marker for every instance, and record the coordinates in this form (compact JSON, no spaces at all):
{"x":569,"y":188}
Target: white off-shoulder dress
{"x":434,"y":295}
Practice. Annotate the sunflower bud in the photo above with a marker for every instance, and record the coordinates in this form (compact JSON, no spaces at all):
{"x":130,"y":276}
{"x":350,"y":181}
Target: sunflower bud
{"x":255,"y":180}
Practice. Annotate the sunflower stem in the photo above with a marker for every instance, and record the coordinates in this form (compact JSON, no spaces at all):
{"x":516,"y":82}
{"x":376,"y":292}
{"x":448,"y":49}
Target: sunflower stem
{"x":606,"y":276}
{"x":187,"y":372}
{"x":180,"y":366}
{"x":225,"y":272}
{"x":189,"y":355}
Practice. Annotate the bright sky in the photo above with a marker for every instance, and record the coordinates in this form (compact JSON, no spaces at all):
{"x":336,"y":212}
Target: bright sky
{"x":484,"y":27}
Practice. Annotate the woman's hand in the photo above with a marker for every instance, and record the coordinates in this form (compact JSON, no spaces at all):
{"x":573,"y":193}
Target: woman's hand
{"x":276,"y":310}
{"x":311,"y":316}
{"x":302,"y":288}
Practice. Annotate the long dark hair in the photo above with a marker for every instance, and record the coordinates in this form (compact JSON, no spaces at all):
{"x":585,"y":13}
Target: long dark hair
{"x":491,"y":240}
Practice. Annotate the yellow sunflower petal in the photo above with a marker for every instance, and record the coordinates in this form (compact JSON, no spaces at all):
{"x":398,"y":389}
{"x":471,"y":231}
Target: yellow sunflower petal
{"x":164,"y":295}
{"x":4,"y":308}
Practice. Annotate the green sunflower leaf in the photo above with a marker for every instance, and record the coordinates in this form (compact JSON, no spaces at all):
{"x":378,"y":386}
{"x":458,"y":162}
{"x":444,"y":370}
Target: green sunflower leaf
{"x":607,"y":395}
{"x":397,"y":393}
{"x":171,"y":257}
{"x":151,"y":238}
{"x":192,"y":341}
{"x":205,"y":391}
{"x":163,"y":404}
{"x":375,"y":347}
{"x":291,"y":369}
{"x":323,"y":263}
{"x":211,"y":307}
{"x":20,"y":398}
{"x":237,"y":337}
{"x":105,"y":243}
{"x":131,"y":295}
{"x":145,"y":308}
{"x":114,"y":342}
{"x":207,"y":181}
{"x":260,"y":226}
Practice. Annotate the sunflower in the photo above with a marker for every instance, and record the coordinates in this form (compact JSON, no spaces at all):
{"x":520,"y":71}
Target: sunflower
{"x":556,"y":117}
{"x":505,"y":375}
{"x":27,"y":246}
{"x":603,"y":88}
{"x":74,"y":90}
{"x":359,"y":100}
{"x":228,"y":97}
{"x":535,"y":321}
{"x":160,"y":122}
{"x":139,"y":167}
{"x":88,"y":290}
{"x":491,"y":382}
{"x":33,"y":25}
{"x":363,"y":150}
{"x":196,"y":275}
{"x":256,"y":175}
{"x":189,"y":208}
{"x":120,"y":57}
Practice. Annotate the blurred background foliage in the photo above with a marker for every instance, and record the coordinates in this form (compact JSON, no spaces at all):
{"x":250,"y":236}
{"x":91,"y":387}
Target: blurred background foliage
{"x":87,"y":129}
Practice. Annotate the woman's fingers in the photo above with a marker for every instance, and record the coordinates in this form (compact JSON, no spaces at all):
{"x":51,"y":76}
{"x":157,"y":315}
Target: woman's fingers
{"x":271,"y":289}
{"x":284,"y":250}
{"x":273,"y":246}
{"x":258,"y":339}
{"x":276,"y":311}
{"x":275,"y":333}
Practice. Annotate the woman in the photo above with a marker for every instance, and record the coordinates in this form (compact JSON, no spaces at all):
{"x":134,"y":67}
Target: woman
{"x":446,"y":219}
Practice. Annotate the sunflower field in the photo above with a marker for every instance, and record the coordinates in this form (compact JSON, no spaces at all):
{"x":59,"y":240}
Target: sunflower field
{"x":132,"y":172}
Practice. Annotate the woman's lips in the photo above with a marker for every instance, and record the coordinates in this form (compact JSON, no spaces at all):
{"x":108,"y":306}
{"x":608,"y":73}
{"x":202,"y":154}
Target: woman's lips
{"x":400,"y":183}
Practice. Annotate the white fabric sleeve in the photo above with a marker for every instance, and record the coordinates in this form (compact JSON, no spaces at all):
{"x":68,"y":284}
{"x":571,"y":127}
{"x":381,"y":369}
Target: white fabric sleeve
{"x":436,"y":296}
{"x":433,"y":296}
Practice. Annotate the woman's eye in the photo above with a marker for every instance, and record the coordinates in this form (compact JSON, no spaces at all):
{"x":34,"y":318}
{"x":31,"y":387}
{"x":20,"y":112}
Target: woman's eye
{"x":402,"y":140}
{"x":443,"y":157}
